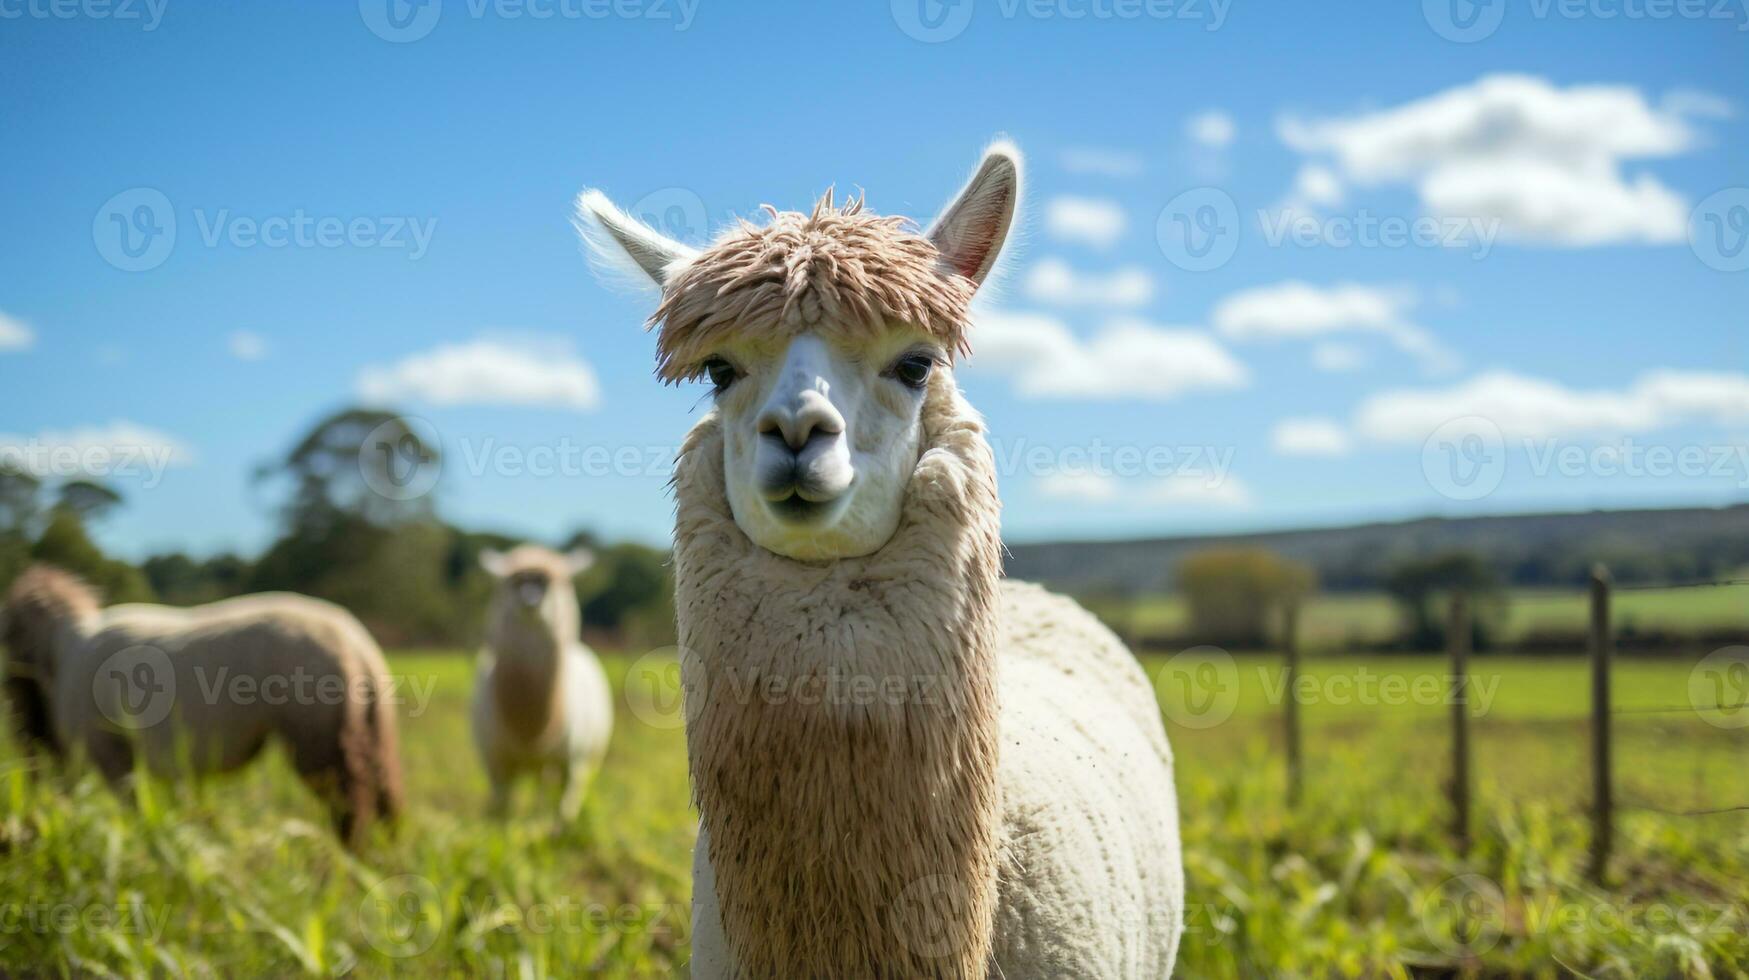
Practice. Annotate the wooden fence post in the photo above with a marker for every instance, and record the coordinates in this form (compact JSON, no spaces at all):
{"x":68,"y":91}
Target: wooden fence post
{"x":1290,"y":642}
{"x":1457,"y":639}
{"x":1602,"y":790}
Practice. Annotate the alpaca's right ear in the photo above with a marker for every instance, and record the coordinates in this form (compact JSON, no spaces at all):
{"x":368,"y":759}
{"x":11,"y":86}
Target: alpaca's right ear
{"x":494,"y":562}
{"x":970,"y":231}
{"x":615,"y":237}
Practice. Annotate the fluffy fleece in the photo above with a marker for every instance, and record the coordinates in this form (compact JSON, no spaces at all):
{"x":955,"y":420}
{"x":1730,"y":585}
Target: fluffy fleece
{"x":541,"y":701}
{"x":905,"y":769}
{"x":236,"y":673}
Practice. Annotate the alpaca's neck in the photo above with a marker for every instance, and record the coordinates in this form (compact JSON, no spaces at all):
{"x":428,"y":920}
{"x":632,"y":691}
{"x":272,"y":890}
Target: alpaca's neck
{"x":526,"y":678}
{"x":843,"y":735}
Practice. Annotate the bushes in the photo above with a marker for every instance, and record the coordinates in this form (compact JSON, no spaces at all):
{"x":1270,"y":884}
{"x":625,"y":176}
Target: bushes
{"x":1237,"y":595}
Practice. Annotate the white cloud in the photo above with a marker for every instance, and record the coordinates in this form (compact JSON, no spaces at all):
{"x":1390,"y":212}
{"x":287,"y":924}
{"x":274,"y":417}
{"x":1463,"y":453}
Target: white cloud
{"x":1543,"y":162}
{"x":1213,"y":128}
{"x":1338,"y":358}
{"x":1087,"y":487}
{"x":1309,"y":437}
{"x":1318,"y":186}
{"x":1193,"y":490}
{"x":527,"y":371}
{"x":1054,"y":281}
{"x":1101,"y":161}
{"x":1523,"y":407}
{"x":1299,"y":310}
{"x":1094,"y":221}
{"x":14,"y":334}
{"x":117,"y":450}
{"x":1128,"y":358}
{"x":246,"y":345}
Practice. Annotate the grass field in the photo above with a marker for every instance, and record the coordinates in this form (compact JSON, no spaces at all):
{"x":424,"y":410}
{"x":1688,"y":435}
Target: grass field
{"x":1334,"y":620}
{"x":239,"y":877}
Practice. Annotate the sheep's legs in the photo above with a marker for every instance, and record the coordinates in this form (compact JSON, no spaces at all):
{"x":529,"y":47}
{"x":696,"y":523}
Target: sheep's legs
{"x":576,"y":783}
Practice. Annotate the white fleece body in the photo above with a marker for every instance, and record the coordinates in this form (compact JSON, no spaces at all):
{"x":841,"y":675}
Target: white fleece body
{"x":573,"y":747}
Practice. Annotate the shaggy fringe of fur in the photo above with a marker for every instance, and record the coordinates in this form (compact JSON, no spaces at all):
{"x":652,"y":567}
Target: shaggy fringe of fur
{"x":848,"y":836}
{"x":836,"y":269}
{"x":58,"y":636}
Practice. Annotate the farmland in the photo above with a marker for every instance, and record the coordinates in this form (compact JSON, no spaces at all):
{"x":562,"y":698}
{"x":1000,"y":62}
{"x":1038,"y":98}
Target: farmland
{"x":239,"y":876}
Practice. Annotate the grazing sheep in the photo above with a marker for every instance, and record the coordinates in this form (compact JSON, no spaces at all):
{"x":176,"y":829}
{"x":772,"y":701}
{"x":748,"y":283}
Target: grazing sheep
{"x":903,"y":767}
{"x":541,"y":701}
{"x":201,"y":690}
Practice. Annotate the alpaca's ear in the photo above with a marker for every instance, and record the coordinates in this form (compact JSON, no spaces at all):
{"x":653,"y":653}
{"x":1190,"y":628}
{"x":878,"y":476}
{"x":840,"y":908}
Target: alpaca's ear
{"x":494,"y":562}
{"x":580,"y":559}
{"x":969,"y":232}
{"x":614,"y":238}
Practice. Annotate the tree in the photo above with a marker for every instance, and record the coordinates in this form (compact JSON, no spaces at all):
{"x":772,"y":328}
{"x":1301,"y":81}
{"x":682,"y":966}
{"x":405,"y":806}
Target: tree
{"x":1236,"y":594}
{"x":91,"y":500}
{"x":64,"y":543}
{"x":1417,"y":584}
{"x":19,"y":494}
{"x":361,"y":463}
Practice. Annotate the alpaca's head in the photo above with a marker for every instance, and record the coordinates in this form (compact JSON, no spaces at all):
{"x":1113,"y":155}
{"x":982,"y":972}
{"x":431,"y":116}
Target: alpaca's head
{"x":819,"y":334}
{"x":533,"y":597}
{"x":42,"y":602}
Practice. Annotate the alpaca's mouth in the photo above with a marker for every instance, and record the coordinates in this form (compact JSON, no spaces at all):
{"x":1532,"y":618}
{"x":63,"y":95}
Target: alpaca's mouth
{"x":797,"y":509}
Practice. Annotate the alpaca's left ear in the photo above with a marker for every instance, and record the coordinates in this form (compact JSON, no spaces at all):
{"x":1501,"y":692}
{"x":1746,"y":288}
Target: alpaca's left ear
{"x":615,"y":237}
{"x":494,"y":562}
{"x":970,"y":231}
{"x":580,"y":560}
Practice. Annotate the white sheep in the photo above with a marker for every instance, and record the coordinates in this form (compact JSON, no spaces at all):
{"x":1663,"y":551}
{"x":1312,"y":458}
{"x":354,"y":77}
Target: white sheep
{"x":542,"y":704}
{"x":903,"y":767}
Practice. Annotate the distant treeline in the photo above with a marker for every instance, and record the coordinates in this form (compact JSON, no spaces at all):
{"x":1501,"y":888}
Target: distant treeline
{"x":1549,"y":550}
{"x":345,"y":536}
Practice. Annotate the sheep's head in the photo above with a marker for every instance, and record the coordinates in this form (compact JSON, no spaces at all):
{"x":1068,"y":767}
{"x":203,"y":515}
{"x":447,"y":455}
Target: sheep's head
{"x":41,"y":602}
{"x":819,"y":334}
{"x":533,"y":595}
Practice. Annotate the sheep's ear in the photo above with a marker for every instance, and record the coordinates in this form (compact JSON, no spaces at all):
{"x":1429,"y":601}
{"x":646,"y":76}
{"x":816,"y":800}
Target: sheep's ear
{"x":494,"y":562}
{"x":580,"y":559}
{"x":616,"y":239}
{"x":969,"y":232}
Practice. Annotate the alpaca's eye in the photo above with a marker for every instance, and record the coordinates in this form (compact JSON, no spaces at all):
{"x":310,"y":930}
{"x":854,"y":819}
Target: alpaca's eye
{"x":721,"y":373}
{"x":912,"y":370}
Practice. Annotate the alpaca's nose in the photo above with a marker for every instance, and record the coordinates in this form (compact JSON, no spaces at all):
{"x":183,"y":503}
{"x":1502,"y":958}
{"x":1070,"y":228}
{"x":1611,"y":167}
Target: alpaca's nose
{"x":799,"y":418}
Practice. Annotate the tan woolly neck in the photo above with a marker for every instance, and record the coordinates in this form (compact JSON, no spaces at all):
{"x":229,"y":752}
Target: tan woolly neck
{"x":842,"y":721}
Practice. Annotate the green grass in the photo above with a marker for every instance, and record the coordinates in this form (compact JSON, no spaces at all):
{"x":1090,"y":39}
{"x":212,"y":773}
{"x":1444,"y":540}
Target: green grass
{"x":239,"y":877}
{"x":1337,"y":620}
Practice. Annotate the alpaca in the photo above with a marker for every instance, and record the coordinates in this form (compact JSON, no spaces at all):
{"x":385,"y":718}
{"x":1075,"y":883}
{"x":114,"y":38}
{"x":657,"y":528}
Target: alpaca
{"x":541,"y":700}
{"x":903,"y":766}
{"x":199,"y":691}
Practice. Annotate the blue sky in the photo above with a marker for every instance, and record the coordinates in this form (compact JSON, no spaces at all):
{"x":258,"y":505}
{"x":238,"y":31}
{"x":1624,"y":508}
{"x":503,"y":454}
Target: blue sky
{"x":360,"y":218}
